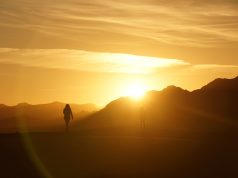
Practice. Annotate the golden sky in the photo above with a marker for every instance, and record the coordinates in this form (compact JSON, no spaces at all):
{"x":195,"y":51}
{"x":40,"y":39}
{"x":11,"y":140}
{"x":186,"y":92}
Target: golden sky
{"x":91,"y":51}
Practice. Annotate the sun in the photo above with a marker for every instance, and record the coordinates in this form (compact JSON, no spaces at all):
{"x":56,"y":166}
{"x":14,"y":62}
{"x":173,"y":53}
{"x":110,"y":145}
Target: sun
{"x":135,"y":91}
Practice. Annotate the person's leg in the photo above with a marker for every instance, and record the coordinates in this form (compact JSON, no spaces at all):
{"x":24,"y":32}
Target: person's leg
{"x":66,"y":125}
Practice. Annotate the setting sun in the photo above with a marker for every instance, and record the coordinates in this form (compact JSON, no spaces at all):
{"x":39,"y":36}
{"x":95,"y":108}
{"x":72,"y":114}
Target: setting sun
{"x":118,"y":88}
{"x":135,"y":91}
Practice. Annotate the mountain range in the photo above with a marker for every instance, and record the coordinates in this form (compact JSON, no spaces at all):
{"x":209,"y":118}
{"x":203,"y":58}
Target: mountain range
{"x":41,"y":117}
{"x":211,"y":109}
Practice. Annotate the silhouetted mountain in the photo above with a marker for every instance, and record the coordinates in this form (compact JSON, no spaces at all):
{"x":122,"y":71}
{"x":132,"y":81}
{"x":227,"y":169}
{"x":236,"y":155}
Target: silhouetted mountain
{"x":222,"y":85}
{"x":213,"y":108}
{"x":39,"y":117}
{"x":174,"y":90}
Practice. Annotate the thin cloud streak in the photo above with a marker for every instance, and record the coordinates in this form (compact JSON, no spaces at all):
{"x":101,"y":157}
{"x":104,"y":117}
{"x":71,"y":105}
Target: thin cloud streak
{"x":214,"y":66}
{"x":85,"y":60}
{"x":99,"y":61}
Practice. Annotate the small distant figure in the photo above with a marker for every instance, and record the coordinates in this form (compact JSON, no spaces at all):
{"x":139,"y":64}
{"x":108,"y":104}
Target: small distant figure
{"x":67,"y":116}
{"x":142,"y":117}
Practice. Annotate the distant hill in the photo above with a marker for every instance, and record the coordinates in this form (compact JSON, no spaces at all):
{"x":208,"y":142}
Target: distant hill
{"x":213,"y":108}
{"x":39,"y":117}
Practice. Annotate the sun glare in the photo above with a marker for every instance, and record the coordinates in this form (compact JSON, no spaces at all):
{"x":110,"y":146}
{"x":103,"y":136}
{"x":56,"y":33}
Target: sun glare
{"x":136,"y":91}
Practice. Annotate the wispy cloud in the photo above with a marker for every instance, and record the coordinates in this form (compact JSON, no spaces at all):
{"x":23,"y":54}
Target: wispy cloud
{"x":214,"y":66}
{"x":187,"y":23}
{"x":85,"y":60}
{"x":102,"y":62}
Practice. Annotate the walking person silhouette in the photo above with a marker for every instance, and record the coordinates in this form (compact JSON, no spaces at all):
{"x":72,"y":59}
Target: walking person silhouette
{"x":67,"y":116}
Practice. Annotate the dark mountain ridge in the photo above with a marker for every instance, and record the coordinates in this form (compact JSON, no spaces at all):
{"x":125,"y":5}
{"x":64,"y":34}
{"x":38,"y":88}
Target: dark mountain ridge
{"x":39,"y":117}
{"x":213,"y":108}
{"x":222,"y":85}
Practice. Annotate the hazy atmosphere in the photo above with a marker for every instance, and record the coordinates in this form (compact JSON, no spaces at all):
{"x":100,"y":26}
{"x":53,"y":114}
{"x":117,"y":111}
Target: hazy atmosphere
{"x":118,"y":88}
{"x":78,"y":51}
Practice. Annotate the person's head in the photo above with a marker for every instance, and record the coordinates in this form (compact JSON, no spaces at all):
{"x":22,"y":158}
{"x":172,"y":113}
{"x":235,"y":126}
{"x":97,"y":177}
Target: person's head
{"x":67,"y":106}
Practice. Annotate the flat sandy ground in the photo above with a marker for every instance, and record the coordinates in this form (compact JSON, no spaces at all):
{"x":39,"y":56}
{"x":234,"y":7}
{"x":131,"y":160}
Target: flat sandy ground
{"x":60,"y":155}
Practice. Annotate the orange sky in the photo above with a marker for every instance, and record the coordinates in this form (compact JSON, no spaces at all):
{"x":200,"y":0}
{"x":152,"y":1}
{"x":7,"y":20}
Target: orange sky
{"x":92,"y":51}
